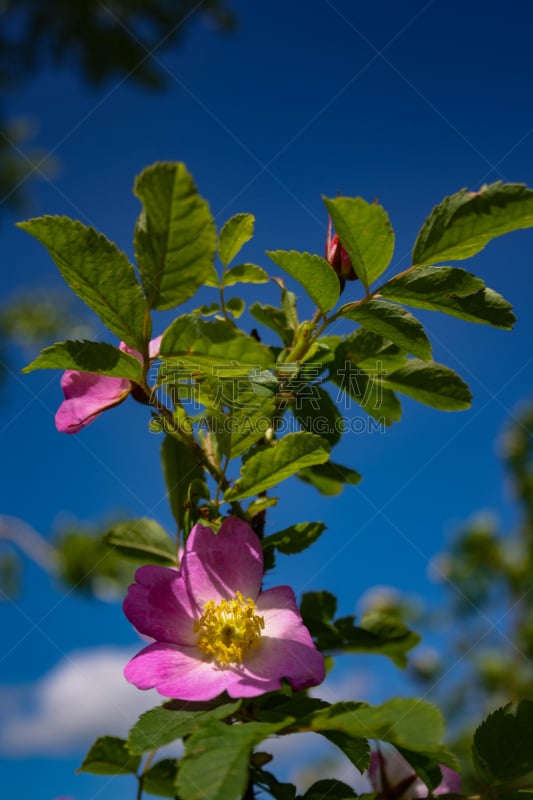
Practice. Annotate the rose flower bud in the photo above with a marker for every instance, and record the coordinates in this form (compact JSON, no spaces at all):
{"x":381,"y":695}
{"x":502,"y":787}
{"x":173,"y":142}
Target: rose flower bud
{"x":339,"y":259}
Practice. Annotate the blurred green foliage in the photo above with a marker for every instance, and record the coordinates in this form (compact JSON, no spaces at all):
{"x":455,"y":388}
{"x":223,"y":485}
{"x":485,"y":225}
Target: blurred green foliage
{"x":486,"y":660}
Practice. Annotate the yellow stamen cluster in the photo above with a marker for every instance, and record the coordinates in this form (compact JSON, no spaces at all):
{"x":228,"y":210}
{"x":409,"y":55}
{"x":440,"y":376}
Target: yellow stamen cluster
{"x":227,"y":630}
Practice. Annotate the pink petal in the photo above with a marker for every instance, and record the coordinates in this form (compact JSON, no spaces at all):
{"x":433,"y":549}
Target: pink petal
{"x":86,"y":396}
{"x":155,"y":344}
{"x":217,"y":566}
{"x":286,"y":649}
{"x":451,"y":781}
{"x":158,"y":605}
{"x":178,"y":672}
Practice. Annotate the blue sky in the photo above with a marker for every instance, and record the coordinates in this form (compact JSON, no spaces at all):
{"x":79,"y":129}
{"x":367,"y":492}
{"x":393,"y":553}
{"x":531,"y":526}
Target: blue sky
{"x":406,"y":102}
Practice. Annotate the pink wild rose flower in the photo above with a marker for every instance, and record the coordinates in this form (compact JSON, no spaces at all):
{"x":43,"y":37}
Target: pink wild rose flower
{"x":394,"y":778}
{"x":214,"y":629}
{"x":87,"y":394}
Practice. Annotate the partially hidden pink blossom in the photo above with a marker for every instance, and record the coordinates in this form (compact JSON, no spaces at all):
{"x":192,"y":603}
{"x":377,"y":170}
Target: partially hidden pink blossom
{"x":215,"y":630}
{"x":339,"y":259}
{"x":394,"y":778}
{"x":87,"y":394}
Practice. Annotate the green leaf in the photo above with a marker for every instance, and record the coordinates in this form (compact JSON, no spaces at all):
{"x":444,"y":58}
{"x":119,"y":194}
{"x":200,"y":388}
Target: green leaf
{"x":313,"y":272}
{"x":357,"y":750}
{"x":462,"y":224}
{"x":279,"y":791}
{"x":98,"y":272}
{"x":248,"y":422}
{"x":502,"y":743}
{"x":110,"y":756}
{"x":96,"y":357}
{"x":365,"y":233}
{"x":235,"y":233}
{"x":330,"y":478}
{"x":426,"y":284}
{"x":244,"y":273}
{"x":180,"y":468}
{"x":405,"y":722}
{"x":175,"y":236}
{"x":271,"y":465}
{"x":316,"y":412}
{"x":143,"y":540}
{"x":431,"y":384}
{"x":393,"y":322}
{"x":208,"y":345}
{"x":372,"y":353}
{"x":236,"y":306}
{"x":452,"y":291}
{"x":296,"y":538}
{"x":165,"y":724}
{"x":216,"y":761}
{"x":160,"y":778}
{"x":275,"y":319}
{"x":331,"y":789}
{"x":378,"y":633}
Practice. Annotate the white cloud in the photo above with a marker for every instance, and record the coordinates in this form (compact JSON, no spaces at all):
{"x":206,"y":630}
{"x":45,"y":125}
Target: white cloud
{"x":84,"y":696}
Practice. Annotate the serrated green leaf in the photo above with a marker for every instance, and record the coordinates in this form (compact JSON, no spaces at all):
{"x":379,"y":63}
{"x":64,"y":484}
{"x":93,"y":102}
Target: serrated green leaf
{"x":98,"y":272}
{"x":331,"y":789}
{"x":431,"y":283}
{"x":502,"y":743}
{"x":452,"y":291}
{"x":142,"y":539}
{"x":271,"y":465}
{"x":313,"y":272}
{"x":234,"y":234}
{"x":432,"y":384}
{"x":160,"y":778}
{"x":296,"y":538}
{"x":163,"y":725}
{"x":462,"y":224}
{"x":216,"y":761}
{"x":209,"y":345}
{"x":175,"y":236}
{"x":95,"y":357}
{"x":365,"y":233}
{"x":404,"y":722}
{"x":110,"y":756}
{"x":330,"y":478}
{"x":393,"y":322}
{"x":275,"y":319}
{"x":180,"y":468}
{"x":244,"y":273}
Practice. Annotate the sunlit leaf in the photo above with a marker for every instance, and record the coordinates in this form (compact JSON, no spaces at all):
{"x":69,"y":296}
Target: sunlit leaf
{"x":393,"y":322}
{"x":462,"y":224}
{"x":95,"y":357}
{"x":366,"y":234}
{"x":432,"y":384}
{"x":273,"y":464}
{"x":235,"y":233}
{"x":175,"y":236}
{"x":313,"y":272}
{"x":98,"y":272}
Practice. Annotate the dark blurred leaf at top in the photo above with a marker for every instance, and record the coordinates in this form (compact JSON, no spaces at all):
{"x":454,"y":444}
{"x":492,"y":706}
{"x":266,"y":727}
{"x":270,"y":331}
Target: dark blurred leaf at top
{"x":107,"y":38}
